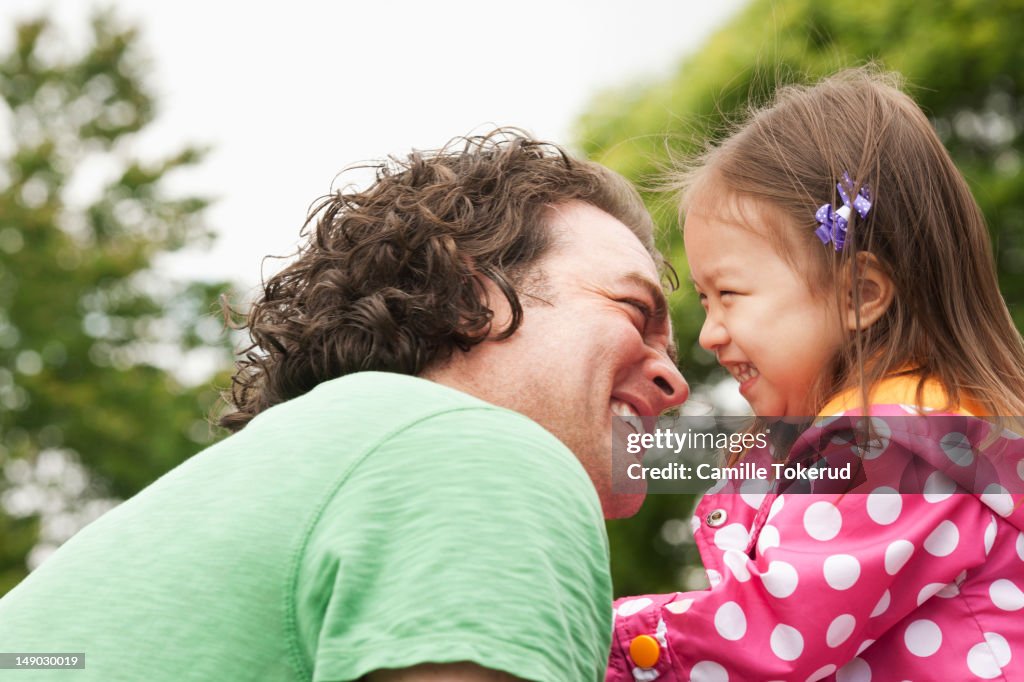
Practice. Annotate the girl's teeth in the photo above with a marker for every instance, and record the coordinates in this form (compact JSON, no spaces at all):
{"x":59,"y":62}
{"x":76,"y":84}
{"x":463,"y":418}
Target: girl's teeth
{"x":745,"y":372}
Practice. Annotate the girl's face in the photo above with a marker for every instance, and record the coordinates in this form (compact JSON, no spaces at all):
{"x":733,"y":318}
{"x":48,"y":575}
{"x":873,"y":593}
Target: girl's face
{"x":764,"y":323}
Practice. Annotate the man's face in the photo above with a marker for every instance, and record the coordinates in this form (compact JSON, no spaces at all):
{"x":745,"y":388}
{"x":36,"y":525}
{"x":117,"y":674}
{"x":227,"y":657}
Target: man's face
{"x":597,"y":346}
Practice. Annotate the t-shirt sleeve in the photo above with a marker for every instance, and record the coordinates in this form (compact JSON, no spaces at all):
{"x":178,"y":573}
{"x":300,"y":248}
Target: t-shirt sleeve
{"x":473,"y":535}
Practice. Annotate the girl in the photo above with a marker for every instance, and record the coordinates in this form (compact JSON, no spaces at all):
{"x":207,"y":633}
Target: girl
{"x":842,"y":263}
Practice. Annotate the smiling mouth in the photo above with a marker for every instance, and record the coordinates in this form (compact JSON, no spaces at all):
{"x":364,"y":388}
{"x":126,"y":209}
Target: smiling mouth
{"x":743,"y":372}
{"x":620,"y":408}
{"x":631,"y":416}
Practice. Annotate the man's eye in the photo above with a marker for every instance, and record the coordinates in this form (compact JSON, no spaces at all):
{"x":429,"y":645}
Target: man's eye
{"x":644,"y":309}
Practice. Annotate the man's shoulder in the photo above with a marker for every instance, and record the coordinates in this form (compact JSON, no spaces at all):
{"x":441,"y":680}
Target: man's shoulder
{"x":399,"y":396}
{"x":388,"y":403}
{"x":374,"y":419}
{"x":403,"y":423}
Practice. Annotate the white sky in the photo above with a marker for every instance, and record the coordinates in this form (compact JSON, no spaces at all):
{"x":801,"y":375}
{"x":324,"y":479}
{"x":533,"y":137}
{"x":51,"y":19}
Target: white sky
{"x":289,"y":97}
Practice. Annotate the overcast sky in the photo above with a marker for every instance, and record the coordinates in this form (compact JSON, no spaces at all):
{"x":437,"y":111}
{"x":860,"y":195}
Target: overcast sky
{"x":287,"y":97}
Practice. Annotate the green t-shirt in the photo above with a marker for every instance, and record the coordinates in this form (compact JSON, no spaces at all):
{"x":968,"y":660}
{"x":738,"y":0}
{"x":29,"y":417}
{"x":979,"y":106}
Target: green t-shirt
{"x":378,"y":521}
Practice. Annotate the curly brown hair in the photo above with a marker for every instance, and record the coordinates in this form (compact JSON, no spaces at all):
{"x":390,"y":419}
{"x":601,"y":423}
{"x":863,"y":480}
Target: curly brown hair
{"x":389,"y":280}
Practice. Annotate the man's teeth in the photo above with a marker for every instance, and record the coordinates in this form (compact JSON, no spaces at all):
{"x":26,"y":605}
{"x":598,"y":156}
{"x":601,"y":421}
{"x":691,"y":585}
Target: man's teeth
{"x":621,"y":409}
{"x":744,"y":372}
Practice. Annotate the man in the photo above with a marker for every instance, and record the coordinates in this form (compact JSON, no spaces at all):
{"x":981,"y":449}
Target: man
{"x":394,"y":504}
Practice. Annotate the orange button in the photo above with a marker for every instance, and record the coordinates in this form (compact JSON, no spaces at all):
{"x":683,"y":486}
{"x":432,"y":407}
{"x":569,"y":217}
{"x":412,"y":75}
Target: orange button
{"x":644,"y":651}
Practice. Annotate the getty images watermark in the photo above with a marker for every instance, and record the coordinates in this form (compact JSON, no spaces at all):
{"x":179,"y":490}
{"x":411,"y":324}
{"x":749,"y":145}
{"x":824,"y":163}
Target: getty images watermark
{"x":903,"y":453}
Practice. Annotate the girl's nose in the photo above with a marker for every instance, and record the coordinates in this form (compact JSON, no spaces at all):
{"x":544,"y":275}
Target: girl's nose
{"x":713,"y":334}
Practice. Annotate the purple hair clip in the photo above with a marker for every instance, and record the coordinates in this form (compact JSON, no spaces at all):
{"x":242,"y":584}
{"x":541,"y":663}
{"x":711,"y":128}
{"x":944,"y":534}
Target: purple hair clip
{"x":833,"y":223}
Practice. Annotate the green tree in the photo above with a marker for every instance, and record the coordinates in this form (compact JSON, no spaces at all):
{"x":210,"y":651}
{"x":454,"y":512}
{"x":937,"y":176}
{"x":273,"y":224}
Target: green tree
{"x":88,"y":331}
{"x":964,"y":61}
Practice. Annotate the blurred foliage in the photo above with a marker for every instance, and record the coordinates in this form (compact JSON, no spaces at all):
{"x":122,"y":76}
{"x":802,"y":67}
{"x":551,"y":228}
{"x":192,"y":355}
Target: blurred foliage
{"x":964,"y":61}
{"x":89,"y":334}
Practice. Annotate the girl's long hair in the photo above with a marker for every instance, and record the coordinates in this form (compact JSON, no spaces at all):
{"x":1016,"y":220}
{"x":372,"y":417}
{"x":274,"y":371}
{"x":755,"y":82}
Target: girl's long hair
{"x":948,"y":321}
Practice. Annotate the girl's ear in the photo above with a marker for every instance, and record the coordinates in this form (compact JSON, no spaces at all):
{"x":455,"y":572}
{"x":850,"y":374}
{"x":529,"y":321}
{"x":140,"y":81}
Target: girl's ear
{"x":875,"y":289}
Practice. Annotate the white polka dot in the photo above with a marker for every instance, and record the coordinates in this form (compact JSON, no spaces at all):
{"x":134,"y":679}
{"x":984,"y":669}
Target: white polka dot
{"x":943,"y":540}
{"x":680,"y":606}
{"x":982,"y":663}
{"x":753,"y":492}
{"x":841,"y":439}
{"x":1020,"y":469}
{"x":922,"y":637}
{"x":998,"y":499}
{"x":717,"y":488}
{"x":864,"y":645}
{"x":786,"y":642}
{"x":768,"y":538}
{"x":714,"y":577}
{"x":880,"y":436}
{"x":990,"y":535}
{"x":896,"y":555}
{"x":736,"y":561}
{"x":929,"y":591}
{"x":1006,"y":595}
{"x":882,"y":604}
{"x":884,"y":505}
{"x":856,"y":670}
{"x":1000,"y":647}
{"x":645,"y":674}
{"x":821,"y":673}
{"x":949,"y":591}
{"x":960,"y":577}
{"x":628,"y":608}
{"x":708,"y":671}
{"x":695,"y":524}
{"x":841,"y":571}
{"x":780,"y":580}
{"x":822,"y":521}
{"x":730,"y":621}
{"x":777,"y":506}
{"x":938,"y":487}
{"x":733,"y":536}
{"x":1020,"y":545}
{"x":660,"y":632}
{"x":957,"y":448}
{"x":840,"y":630}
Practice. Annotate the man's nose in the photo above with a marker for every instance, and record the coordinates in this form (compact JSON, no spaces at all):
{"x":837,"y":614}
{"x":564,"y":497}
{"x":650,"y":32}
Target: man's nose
{"x":672,"y":387}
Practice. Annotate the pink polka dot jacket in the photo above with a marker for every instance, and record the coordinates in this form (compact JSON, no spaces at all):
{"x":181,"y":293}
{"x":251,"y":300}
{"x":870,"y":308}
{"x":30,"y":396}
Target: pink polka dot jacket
{"x":859,"y":584}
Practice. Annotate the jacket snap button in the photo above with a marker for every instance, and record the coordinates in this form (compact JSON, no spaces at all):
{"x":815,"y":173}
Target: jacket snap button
{"x":644,"y":651}
{"x":715,"y":518}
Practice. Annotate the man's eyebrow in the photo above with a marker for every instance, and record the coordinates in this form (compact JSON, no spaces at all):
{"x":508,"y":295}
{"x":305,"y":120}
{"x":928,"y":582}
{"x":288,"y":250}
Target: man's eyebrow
{"x":653,"y":290}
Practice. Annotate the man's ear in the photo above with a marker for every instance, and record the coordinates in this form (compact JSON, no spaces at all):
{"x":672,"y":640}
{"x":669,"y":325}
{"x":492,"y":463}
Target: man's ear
{"x":493,"y":298}
{"x":875,"y":291}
